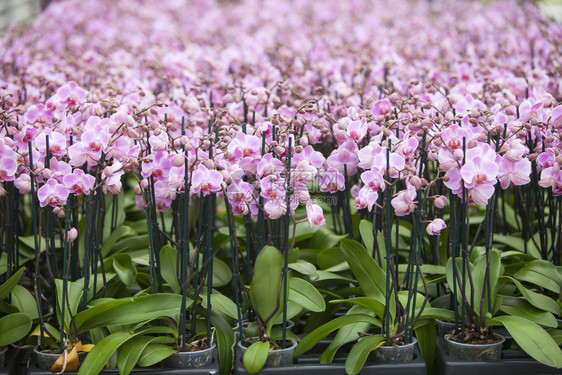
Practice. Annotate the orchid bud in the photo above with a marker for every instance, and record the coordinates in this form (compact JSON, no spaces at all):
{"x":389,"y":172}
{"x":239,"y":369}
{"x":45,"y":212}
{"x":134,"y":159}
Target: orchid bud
{"x":46,"y":173}
{"x":144,"y":184}
{"x":61,"y":214}
{"x":72,"y":234}
{"x":3,"y":192}
{"x":178,"y":160}
{"x":138,"y":190}
{"x":441,"y":201}
{"x":472,"y":143}
{"x":416,"y":181}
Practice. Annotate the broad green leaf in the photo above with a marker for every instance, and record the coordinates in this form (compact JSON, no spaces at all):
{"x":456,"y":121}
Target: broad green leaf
{"x":168,"y":262}
{"x":326,"y":275}
{"x":427,"y":341}
{"x":303,"y":293}
{"x":128,"y":311}
{"x":222,"y":274}
{"x":371,"y":278}
{"x":369,"y":275}
{"x":14,"y":327}
{"x":154,"y":353}
{"x":24,"y":301}
{"x":366,"y":230}
{"x":367,"y":302}
{"x":221,"y":303}
{"x":264,"y":289}
{"x":102,"y":351}
{"x":536,"y":299}
{"x":7,"y":287}
{"x":324,"y":330}
{"x":358,"y":354}
{"x":437,"y":313}
{"x":303,"y":267}
{"x":293,"y":309}
{"x":516,"y":244}
{"x":123,"y":231}
{"x":329,"y":257}
{"x":255,"y":356}
{"x":124,"y":268}
{"x":348,"y":334}
{"x":130,"y":352}
{"x":119,"y":200}
{"x":478,"y":277}
{"x":533,"y":339}
{"x":518,"y":306}
{"x":72,"y":299}
{"x":324,"y":238}
{"x":225,"y":341}
{"x":541,"y":273}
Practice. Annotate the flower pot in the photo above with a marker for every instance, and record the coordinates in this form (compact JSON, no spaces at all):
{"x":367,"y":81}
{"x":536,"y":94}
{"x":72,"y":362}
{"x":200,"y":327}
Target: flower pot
{"x":45,"y":361}
{"x":183,"y":360}
{"x":444,"y":327}
{"x":394,"y":354}
{"x":512,"y":362}
{"x":275,"y":358}
{"x":475,"y":353}
{"x":3,"y":352}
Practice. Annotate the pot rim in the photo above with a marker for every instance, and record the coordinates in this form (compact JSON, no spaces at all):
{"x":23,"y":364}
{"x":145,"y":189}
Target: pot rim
{"x":292,"y":347}
{"x":407,"y":346}
{"x":499,"y":343}
{"x":212,"y":347}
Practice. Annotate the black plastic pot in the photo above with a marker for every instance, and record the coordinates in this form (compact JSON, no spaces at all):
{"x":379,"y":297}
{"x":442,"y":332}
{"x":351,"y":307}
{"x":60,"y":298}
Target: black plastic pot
{"x":512,"y":362}
{"x":309,"y":364}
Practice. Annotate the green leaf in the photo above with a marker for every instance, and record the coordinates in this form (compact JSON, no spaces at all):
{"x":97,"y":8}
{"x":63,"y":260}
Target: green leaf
{"x":324,"y":330}
{"x":536,"y":299}
{"x":7,"y":287}
{"x":14,"y":327}
{"x":221,"y":303}
{"x":359,"y":353}
{"x":130,"y":352}
{"x":329,"y":257}
{"x":427,"y":341}
{"x":306,"y":295}
{"x":255,"y":356}
{"x":264,"y":289}
{"x":168,"y":262}
{"x":129,"y":311}
{"x":518,"y":306}
{"x":369,"y":275}
{"x":124,"y":268}
{"x":225,"y":341}
{"x":541,"y":273}
{"x":154,"y":353}
{"x":348,"y":334}
{"x":102,"y":351}
{"x":222,"y":274}
{"x":366,"y":230}
{"x":324,"y":238}
{"x":516,"y":244}
{"x":372,"y":304}
{"x":303,"y":267}
{"x":74,"y":294}
{"x":533,"y":339}
{"x":123,"y":231}
{"x":24,"y":301}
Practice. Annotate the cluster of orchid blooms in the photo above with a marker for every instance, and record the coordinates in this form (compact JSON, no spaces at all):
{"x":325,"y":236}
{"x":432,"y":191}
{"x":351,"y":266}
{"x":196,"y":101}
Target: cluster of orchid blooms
{"x":212,"y":97}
